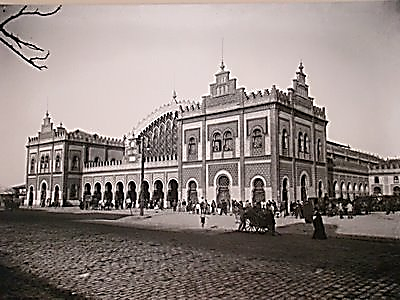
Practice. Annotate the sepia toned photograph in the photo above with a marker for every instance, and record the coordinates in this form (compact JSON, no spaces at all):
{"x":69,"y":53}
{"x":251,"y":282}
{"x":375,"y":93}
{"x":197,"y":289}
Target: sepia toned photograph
{"x":200,"y":151}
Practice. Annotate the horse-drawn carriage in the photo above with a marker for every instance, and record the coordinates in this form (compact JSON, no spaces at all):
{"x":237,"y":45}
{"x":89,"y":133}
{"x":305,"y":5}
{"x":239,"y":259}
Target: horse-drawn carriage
{"x":10,"y":202}
{"x":255,"y":219}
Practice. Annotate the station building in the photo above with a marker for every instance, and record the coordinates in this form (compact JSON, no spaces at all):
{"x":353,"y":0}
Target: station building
{"x":232,"y":145}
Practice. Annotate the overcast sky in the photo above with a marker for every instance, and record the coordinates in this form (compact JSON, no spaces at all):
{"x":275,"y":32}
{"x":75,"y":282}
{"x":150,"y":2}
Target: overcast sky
{"x":112,"y":65}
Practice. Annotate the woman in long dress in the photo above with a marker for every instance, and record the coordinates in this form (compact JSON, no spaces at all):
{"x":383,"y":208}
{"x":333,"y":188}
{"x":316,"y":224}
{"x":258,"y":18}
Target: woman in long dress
{"x":319,"y":229}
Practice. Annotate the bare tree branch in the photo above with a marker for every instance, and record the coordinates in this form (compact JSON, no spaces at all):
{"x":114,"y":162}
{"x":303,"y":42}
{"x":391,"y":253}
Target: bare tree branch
{"x":22,"y":45}
{"x":28,"y":60}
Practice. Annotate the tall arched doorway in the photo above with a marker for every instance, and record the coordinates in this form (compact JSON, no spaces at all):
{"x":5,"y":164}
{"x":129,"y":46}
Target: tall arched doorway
{"x":320,"y":192}
{"x":30,"y":202}
{"x":361,"y":189}
{"x":192,"y":194}
{"x":57,"y":196}
{"x":108,"y":195}
{"x":258,"y":191}
{"x":285,"y":196}
{"x":349,"y":191}
{"x":119,"y":195}
{"x":97,"y":191}
{"x":355,"y":190}
{"x":144,"y":194}
{"x":396,"y":191}
{"x":223,"y":193}
{"x":343,"y":191}
{"x":172,"y":197}
{"x":87,"y":192}
{"x":43,"y":194}
{"x":157,"y":200}
{"x":303,"y":191}
{"x":336,"y":190}
{"x":132,"y":193}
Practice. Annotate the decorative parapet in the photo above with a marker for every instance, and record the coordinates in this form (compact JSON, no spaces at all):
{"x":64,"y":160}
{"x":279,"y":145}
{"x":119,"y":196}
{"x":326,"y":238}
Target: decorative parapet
{"x":190,"y":108}
{"x":103,"y":166}
{"x":319,"y":112}
{"x":77,"y":135}
{"x":347,"y":165}
{"x":275,"y":95}
{"x":386,"y":165}
{"x":81,"y":136}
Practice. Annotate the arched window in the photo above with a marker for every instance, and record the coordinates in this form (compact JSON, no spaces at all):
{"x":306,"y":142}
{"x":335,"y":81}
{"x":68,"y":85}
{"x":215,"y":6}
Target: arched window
{"x":319,"y":149}
{"x":192,"y":149}
{"x":300,"y":142}
{"x":285,"y":145}
{"x":58,"y":162}
{"x":169,"y":138}
{"x":228,"y":141}
{"x":162,"y":139}
{"x":216,"y":143}
{"x":376,"y":179}
{"x":42,"y":162}
{"x":396,"y":179}
{"x":46,"y":162}
{"x":33,"y":165}
{"x":305,"y":143}
{"x":155,"y":142}
{"x":257,"y":139}
{"x":75,"y":163}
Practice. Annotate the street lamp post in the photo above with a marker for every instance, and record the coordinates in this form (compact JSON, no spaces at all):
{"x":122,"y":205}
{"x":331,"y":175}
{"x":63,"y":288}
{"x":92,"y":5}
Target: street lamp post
{"x":142,"y":192}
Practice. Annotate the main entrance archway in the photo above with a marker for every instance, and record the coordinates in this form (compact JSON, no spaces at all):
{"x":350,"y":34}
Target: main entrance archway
{"x":258,"y":191}
{"x":192,"y":194}
{"x":223,"y":193}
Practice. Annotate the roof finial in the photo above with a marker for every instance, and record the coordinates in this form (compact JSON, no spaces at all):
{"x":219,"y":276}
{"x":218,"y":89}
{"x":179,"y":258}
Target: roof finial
{"x":174,"y":92}
{"x":47,"y":108}
{"x":174,"y":96}
{"x":222,"y":66}
{"x":301,"y":66}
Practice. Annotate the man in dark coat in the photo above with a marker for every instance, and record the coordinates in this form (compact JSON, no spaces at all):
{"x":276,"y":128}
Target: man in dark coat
{"x":319,"y":229}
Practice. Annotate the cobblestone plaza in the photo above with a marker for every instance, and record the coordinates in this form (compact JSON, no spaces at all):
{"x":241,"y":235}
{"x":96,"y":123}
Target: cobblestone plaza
{"x":63,"y":257}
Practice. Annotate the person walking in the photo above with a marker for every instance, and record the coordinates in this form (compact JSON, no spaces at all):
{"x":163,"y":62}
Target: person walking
{"x":350,"y":210}
{"x":202,"y":218}
{"x":340,"y":210}
{"x":319,"y":229}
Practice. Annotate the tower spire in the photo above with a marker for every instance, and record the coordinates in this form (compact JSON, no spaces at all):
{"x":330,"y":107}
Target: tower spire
{"x":174,"y":92}
{"x":301,"y":67}
{"x":222,"y":66}
{"x":47,"y":108}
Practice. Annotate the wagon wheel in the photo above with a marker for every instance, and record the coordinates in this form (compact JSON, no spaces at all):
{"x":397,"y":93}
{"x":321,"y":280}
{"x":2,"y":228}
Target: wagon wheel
{"x":263,"y":229}
{"x":249,"y":226}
